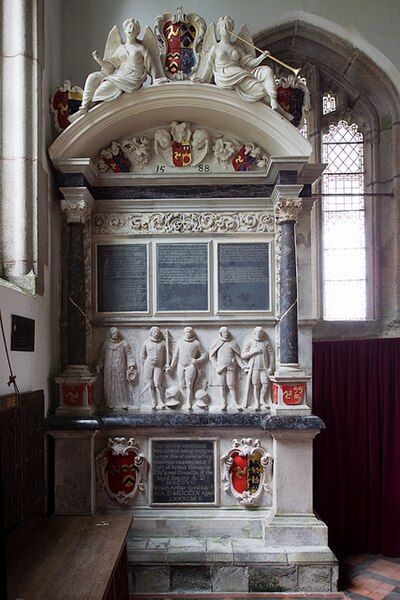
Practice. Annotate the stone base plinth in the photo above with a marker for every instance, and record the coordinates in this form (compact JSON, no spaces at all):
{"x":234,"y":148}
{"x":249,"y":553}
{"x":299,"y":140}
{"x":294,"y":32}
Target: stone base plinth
{"x":211,"y":565}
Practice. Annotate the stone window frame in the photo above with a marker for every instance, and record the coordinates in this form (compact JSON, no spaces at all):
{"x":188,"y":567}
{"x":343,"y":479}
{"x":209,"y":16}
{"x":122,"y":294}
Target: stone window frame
{"x":367,"y":96}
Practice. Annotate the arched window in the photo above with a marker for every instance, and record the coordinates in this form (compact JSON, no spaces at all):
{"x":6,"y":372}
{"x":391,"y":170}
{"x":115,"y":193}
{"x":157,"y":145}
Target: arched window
{"x":343,"y":223}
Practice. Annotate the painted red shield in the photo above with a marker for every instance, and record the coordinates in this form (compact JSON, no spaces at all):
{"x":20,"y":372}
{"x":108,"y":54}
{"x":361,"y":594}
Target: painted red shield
{"x":180,"y":55}
{"x":65,"y":104}
{"x":181,"y":154}
{"x":72,"y":395}
{"x":242,"y":161}
{"x":246,"y":472}
{"x":120,"y":471}
{"x":118,"y":163}
{"x":292,"y":101}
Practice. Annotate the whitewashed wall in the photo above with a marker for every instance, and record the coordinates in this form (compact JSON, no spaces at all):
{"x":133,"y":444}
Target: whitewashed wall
{"x":369,"y":25}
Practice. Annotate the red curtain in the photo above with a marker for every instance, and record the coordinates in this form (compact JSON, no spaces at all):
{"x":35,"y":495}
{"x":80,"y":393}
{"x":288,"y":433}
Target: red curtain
{"x":356,"y":391}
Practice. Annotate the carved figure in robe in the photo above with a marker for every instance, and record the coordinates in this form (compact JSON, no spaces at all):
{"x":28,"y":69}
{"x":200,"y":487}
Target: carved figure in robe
{"x":235,"y":66}
{"x":260,"y":356}
{"x":225,"y":357}
{"x":124,"y":67}
{"x":153,"y":355}
{"x":188,"y":355}
{"x":120,"y":369}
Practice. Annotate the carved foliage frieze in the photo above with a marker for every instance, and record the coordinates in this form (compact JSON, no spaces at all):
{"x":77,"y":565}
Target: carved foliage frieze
{"x":246,"y":470}
{"x":122,"y":468}
{"x":183,"y":222}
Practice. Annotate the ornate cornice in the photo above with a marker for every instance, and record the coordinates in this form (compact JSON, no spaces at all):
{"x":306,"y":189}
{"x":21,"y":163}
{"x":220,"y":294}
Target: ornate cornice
{"x":287,"y":209}
{"x":77,"y":204}
{"x":183,"y":222}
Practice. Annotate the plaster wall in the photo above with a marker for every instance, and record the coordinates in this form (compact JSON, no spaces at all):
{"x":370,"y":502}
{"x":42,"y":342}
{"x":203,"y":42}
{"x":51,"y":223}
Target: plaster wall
{"x":369,"y":25}
{"x":33,"y":369}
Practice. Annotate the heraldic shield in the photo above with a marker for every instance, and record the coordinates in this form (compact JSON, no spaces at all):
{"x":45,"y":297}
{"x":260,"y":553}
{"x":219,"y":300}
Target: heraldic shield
{"x":121,"y":466}
{"x":66,"y":101}
{"x":179,"y":37}
{"x":246,"y":470}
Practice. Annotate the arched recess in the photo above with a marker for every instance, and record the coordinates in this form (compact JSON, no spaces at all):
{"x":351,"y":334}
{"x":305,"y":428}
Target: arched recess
{"x":368,"y":96}
{"x":156,"y":106}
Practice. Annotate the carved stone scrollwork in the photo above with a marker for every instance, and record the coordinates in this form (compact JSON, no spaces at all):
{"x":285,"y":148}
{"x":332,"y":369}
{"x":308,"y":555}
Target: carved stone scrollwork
{"x":288,"y":209}
{"x":246,"y":470}
{"x":122,"y":468}
{"x":183,"y":222}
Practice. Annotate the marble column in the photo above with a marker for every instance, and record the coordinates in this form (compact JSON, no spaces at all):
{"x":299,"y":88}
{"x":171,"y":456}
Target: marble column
{"x":76,"y":381}
{"x":289,"y":382}
{"x":286,"y":211}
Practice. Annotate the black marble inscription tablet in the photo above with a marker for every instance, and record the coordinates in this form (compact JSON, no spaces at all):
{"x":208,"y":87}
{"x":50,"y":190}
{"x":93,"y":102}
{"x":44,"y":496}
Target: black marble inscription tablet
{"x":243,"y":276}
{"x":183,"y":472}
{"x":182,"y":277}
{"x":122,"y":278}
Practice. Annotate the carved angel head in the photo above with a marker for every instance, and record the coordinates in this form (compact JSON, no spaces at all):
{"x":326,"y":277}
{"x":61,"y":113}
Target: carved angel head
{"x":225,"y":25}
{"x":131,"y":27}
{"x":199,"y":139}
{"x":162,"y":139}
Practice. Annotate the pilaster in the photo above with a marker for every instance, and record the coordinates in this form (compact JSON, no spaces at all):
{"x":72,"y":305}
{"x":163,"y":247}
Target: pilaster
{"x":76,"y":382}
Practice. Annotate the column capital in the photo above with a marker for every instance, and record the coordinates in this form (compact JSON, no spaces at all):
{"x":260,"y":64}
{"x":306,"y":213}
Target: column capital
{"x":77,"y":204}
{"x":287,"y":209}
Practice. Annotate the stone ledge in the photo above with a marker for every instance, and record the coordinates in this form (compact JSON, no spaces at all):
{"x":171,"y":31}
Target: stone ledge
{"x":264,"y":422}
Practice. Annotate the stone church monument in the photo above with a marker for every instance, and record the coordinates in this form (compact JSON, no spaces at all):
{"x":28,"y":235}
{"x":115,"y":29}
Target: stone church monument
{"x":185,"y":396}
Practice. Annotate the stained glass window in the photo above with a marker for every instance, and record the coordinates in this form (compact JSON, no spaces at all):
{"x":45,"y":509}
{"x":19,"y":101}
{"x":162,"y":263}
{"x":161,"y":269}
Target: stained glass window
{"x":343,"y":224}
{"x":328,"y":103}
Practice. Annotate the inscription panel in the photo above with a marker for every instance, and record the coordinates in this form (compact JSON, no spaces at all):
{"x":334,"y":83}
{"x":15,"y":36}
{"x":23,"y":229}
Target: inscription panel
{"x":122,"y":278}
{"x":183,"y":472}
{"x":243,"y":277}
{"x":182,"y":277}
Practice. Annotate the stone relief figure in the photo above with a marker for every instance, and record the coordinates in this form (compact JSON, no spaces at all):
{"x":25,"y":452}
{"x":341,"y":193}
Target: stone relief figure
{"x":124,"y":67}
{"x":234,"y":67}
{"x":120,"y":369}
{"x":153,"y":356}
{"x":188,"y":355}
{"x":260,"y":356}
{"x":225,"y":357}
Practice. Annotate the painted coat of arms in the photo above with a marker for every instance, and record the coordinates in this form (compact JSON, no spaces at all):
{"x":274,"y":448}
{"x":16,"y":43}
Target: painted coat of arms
{"x":179,"y":146}
{"x":294,"y":98}
{"x":122,"y":468}
{"x":246,"y":470}
{"x":179,"y":37}
{"x":66,"y":101}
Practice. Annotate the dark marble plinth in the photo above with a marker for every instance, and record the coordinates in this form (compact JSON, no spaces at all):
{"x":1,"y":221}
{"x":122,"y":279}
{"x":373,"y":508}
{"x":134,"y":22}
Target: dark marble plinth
{"x":265,"y":422}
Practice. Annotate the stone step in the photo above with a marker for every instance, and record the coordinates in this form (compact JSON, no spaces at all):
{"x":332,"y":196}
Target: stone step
{"x":163,"y":565}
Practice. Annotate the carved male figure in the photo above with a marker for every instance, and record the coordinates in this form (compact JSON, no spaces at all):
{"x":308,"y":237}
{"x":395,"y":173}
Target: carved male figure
{"x":259,"y":353}
{"x":225,"y":357}
{"x":189,"y":353}
{"x":119,"y":369}
{"x":153,"y":355}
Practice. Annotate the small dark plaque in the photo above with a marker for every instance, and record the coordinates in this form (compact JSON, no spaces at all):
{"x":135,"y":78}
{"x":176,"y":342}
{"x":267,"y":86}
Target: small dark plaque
{"x":182,"y":277}
{"x":122,"y":278}
{"x":243,"y":276}
{"x":183,"y":472}
{"x":22,"y":334}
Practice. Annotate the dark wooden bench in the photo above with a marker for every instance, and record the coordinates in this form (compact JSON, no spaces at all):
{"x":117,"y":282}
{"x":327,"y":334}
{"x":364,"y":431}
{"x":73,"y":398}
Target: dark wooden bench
{"x":70,"y":558}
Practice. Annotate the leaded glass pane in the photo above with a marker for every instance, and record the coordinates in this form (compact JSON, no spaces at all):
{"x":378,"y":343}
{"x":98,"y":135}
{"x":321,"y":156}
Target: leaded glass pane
{"x":343,"y":222}
{"x":328,"y":103}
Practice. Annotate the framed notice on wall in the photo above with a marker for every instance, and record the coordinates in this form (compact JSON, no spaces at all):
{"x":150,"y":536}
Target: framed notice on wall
{"x":244,"y":276}
{"x":122,"y":278}
{"x":182,"y":277}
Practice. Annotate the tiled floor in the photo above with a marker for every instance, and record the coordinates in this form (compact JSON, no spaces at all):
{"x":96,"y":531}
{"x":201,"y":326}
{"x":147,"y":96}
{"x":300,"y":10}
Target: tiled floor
{"x":371,"y":577}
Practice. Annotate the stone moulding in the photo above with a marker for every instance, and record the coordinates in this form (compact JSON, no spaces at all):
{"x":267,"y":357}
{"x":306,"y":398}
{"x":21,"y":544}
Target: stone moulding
{"x":183,"y":222}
